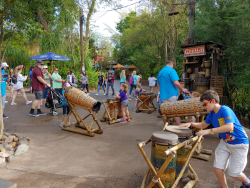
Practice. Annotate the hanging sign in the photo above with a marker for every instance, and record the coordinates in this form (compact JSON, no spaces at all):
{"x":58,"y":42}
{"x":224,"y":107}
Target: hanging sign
{"x":195,"y":51}
{"x":99,"y":58}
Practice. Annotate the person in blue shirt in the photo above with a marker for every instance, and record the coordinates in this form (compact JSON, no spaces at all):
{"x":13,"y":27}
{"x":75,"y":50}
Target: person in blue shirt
{"x":124,"y":102}
{"x":65,"y":106}
{"x":3,"y":86}
{"x":168,"y":85}
{"x":30,"y":72}
{"x":232,"y":151}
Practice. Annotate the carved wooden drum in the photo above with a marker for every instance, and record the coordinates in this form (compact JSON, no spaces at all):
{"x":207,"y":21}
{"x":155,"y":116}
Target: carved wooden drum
{"x":182,"y":153}
{"x":186,"y":106}
{"x":161,"y":141}
{"x":112,"y":105}
{"x":82,"y":99}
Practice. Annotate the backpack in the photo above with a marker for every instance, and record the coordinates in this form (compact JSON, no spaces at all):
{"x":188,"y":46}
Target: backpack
{"x":13,"y":79}
{"x":131,"y":80}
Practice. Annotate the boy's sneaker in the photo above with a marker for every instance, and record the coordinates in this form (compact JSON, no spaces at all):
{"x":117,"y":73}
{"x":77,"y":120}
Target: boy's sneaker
{"x":123,"y":121}
{"x":6,"y":101}
{"x":134,"y":109}
{"x":33,"y":114}
{"x":128,"y":119}
{"x":104,"y":94}
{"x":62,"y":123}
{"x":97,"y":94}
{"x":41,"y":113}
{"x":5,"y":117}
{"x":12,"y":103}
{"x":29,"y":102}
{"x":245,"y":185}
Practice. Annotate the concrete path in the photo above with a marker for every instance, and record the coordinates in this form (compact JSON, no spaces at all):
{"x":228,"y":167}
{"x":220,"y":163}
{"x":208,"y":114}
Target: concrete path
{"x":59,"y":158}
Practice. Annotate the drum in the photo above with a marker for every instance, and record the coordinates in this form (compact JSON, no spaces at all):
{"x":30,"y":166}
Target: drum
{"x":112,"y":105}
{"x":182,"y":153}
{"x":82,"y":99}
{"x":186,"y":106}
{"x":143,"y":96}
{"x":161,"y":141}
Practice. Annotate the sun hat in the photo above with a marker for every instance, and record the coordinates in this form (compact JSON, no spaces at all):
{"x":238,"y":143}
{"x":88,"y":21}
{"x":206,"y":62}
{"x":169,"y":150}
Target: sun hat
{"x":5,"y":64}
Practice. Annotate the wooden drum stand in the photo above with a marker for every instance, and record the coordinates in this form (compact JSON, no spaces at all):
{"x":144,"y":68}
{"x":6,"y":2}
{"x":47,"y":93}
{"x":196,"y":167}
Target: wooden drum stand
{"x":109,"y":114}
{"x":170,"y":155}
{"x":145,"y":99}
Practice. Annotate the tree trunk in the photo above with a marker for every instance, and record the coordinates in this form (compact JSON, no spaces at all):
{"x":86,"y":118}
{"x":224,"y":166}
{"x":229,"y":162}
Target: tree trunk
{"x":9,"y":39}
{"x":81,"y":39}
{"x":71,"y":48}
{"x":87,"y":37}
{"x":43,"y":21}
{"x":1,"y":110}
{"x":166,"y":47}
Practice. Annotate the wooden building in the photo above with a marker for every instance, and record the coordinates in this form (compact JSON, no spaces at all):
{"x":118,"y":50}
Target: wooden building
{"x":201,"y":66}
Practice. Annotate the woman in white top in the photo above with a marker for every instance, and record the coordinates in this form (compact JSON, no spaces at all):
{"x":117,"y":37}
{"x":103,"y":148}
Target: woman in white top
{"x":151,"y":81}
{"x":18,"y":86}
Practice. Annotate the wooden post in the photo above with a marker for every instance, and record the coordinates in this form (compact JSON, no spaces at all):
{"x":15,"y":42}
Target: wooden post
{"x":191,"y":21}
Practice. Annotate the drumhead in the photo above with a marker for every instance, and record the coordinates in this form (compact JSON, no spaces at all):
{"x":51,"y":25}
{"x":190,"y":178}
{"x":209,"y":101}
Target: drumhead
{"x":165,"y":138}
{"x":181,"y":132}
{"x":146,"y":93}
{"x":112,"y":99}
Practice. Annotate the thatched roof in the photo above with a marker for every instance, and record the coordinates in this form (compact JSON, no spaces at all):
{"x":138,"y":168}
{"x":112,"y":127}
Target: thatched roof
{"x":118,"y":66}
{"x":132,"y":67}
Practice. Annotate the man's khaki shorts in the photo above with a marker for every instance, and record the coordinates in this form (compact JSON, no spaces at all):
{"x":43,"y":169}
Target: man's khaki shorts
{"x":171,"y":99}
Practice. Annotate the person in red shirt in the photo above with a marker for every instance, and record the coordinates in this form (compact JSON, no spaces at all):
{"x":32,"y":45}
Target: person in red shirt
{"x":38,"y":84}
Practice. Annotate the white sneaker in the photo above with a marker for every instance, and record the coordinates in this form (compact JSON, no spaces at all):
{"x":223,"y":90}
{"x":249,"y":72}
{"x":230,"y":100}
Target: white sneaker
{"x":97,"y":94}
{"x":6,"y":101}
{"x":135,"y":109}
{"x":104,"y":94}
{"x":87,"y":93}
{"x":62,"y":123}
{"x":12,"y":103}
{"x":29,"y":102}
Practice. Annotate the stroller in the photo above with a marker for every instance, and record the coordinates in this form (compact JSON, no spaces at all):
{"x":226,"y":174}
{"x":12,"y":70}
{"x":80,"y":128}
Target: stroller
{"x":54,"y":101}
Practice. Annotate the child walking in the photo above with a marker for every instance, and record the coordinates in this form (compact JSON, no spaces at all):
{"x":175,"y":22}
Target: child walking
{"x":138,"y":90}
{"x":65,"y":106}
{"x":84,"y":80}
{"x":124,"y":101}
{"x":232,"y":151}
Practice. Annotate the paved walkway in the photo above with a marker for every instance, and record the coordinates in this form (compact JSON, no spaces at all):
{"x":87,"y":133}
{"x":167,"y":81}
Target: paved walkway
{"x":63,"y":159}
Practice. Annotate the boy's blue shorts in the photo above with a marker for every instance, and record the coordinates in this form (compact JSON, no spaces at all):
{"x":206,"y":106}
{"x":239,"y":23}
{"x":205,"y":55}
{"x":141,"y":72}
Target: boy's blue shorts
{"x":83,"y":86}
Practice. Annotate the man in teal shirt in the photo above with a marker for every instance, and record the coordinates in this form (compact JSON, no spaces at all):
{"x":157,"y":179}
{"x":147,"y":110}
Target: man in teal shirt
{"x":168,"y":85}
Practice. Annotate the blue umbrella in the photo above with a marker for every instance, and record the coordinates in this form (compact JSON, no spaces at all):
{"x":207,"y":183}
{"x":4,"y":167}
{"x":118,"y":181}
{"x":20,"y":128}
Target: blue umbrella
{"x":50,"y":57}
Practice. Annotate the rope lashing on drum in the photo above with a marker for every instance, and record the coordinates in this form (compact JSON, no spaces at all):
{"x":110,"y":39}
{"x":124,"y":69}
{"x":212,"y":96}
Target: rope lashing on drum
{"x":186,"y":143}
{"x":192,"y":175}
{"x":155,"y":181}
{"x":172,"y":153}
{"x":198,"y":151}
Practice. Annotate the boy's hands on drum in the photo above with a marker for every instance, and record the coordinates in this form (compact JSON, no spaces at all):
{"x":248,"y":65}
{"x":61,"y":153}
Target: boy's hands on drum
{"x":185,"y":125}
{"x":203,"y":132}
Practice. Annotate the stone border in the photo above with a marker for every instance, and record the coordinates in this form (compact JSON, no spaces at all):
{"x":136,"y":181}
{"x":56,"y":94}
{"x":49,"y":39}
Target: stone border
{"x":12,"y":145}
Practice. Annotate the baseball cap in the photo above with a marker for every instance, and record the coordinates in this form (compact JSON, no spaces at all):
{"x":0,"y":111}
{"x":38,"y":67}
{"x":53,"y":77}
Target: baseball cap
{"x":5,"y":64}
{"x":40,"y":62}
{"x":45,"y":66}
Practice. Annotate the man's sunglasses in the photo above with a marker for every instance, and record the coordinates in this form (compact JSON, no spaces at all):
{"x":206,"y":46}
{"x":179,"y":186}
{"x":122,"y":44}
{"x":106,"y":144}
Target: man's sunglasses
{"x":205,"y":104}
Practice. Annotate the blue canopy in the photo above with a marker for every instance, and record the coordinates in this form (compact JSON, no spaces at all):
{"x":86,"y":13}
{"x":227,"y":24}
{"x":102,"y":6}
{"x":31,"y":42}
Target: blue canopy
{"x":50,"y":57}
